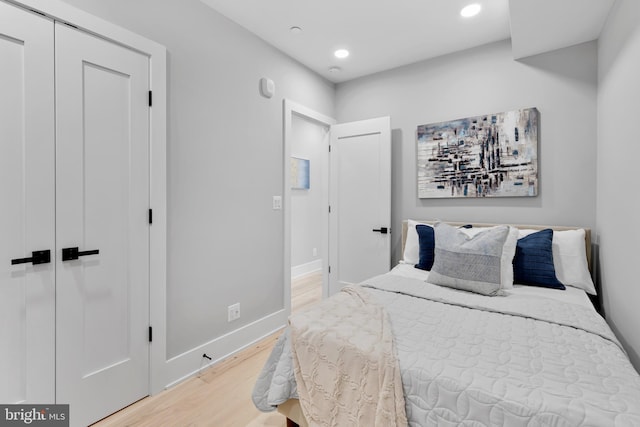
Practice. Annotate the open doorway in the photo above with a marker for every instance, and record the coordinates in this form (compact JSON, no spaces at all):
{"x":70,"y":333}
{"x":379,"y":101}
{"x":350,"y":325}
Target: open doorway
{"x":309,"y":175}
{"x":306,"y":203}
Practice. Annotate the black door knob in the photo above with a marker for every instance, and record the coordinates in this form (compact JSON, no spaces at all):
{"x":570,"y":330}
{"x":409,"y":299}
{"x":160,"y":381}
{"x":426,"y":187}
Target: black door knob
{"x":382,"y":230}
{"x":69,"y":254}
{"x":37,"y":257}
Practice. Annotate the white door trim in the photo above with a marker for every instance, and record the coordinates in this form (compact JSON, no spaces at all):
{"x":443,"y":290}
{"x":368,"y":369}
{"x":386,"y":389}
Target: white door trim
{"x":291,"y":108}
{"x":157,"y":53}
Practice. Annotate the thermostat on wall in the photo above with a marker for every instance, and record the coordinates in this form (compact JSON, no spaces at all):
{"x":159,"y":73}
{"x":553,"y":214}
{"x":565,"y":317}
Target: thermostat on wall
{"x":267,"y":87}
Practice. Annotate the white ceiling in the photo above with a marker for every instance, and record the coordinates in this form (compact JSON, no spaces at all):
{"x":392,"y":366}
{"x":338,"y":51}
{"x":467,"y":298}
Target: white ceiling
{"x":543,"y":25}
{"x":384,"y":34}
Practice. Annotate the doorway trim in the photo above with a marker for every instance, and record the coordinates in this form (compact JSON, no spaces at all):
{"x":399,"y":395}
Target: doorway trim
{"x":291,"y":108}
{"x":157,"y":54}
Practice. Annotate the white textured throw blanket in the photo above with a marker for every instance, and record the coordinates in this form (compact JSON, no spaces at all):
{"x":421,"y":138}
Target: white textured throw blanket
{"x":345,"y":364}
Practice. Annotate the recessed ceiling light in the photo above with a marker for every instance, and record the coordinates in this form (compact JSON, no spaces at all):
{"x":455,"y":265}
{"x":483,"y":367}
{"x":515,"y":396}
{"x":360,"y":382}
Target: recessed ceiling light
{"x":470,"y":10}
{"x":295,"y":30}
{"x":334,"y":69}
{"x":341,"y":53}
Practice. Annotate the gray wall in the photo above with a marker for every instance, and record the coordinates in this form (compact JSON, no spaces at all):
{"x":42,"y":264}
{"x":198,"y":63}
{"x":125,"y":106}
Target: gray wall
{"x":225,"y":243}
{"x":308,"y":142}
{"x":618,"y":153}
{"x":561,"y":84}
{"x":225,"y":151}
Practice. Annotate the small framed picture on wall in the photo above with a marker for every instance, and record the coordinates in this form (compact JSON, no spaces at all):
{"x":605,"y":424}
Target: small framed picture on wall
{"x":300,"y":174}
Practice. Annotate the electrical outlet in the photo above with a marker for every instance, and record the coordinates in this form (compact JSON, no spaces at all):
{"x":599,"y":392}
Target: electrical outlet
{"x":315,"y":251}
{"x":233,"y":312}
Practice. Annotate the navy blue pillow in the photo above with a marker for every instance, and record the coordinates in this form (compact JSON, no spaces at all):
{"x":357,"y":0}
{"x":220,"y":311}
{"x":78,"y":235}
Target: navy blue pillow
{"x":427,"y":242}
{"x":533,"y":262}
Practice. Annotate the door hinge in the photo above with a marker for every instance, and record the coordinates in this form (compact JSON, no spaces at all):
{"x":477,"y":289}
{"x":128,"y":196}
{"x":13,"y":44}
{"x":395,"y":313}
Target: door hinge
{"x":329,"y":208}
{"x":150,"y":98}
{"x":150,"y":216}
{"x":329,"y":148}
{"x":329,"y":269}
{"x":150,"y":334}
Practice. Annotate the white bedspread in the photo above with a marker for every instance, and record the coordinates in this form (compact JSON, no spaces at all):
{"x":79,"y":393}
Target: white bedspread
{"x":520,"y":360}
{"x":505,"y":361}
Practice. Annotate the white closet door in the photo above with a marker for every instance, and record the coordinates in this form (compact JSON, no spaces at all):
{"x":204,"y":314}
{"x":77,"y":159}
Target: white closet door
{"x":102,"y":186}
{"x":26,"y":206}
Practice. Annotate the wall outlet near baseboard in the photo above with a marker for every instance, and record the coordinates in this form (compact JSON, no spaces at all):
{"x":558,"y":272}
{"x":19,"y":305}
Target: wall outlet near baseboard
{"x":315,"y":252}
{"x":233,"y":312}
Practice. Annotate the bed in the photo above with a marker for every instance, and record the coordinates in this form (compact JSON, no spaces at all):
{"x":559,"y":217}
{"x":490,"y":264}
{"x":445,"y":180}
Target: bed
{"x":462,"y":351}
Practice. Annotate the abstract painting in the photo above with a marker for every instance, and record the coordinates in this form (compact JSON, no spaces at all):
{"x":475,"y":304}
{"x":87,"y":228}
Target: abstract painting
{"x":300,"y":174}
{"x":494,"y":155}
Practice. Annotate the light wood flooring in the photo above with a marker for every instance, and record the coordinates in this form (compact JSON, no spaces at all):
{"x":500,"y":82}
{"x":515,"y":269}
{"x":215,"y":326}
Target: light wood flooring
{"x":221,"y":395}
{"x":306,"y":290}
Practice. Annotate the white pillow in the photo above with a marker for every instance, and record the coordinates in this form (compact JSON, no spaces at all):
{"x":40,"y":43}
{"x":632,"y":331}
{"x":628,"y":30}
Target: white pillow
{"x":411,"y":253}
{"x":508,"y":252}
{"x":570,"y":258}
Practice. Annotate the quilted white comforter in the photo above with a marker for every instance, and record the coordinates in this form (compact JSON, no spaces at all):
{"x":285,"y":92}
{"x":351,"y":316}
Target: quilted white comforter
{"x":471,"y":360}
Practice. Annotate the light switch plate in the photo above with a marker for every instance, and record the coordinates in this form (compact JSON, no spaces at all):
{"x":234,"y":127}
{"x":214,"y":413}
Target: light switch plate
{"x":277,"y":203}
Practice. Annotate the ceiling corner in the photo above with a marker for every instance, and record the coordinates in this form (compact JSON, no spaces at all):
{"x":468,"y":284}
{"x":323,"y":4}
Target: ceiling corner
{"x":539,"y":26}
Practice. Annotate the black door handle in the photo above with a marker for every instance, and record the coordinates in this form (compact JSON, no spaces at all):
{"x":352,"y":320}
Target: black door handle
{"x":69,"y":254}
{"x":383,"y":230}
{"x":37,"y":257}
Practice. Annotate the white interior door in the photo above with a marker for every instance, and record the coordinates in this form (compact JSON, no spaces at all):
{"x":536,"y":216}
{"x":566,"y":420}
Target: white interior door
{"x":102,"y":186}
{"x":360,"y":200}
{"x":27,"y":290}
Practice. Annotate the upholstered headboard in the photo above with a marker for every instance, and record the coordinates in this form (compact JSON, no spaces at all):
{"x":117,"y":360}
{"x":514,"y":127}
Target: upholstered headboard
{"x":587,"y":236}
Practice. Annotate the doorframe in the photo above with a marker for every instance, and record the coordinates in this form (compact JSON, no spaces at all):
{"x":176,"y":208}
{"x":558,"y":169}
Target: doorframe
{"x":62,"y":12}
{"x":291,"y":108}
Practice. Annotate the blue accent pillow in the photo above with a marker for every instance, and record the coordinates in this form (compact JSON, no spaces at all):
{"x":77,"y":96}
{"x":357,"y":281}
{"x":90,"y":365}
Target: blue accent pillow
{"x":427,"y":242}
{"x":533,"y":262}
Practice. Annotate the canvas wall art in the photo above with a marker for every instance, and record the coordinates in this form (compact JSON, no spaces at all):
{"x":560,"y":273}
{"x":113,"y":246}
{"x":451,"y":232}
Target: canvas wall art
{"x":494,"y":155}
{"x":300,"y":179}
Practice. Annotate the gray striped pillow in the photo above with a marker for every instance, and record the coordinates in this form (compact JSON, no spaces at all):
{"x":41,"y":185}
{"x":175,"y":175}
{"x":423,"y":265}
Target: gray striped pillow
{"x":468,"y":263}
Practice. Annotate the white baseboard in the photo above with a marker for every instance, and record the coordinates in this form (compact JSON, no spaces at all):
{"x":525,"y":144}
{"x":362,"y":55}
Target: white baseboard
{"x":187,"y":364}
{"x":302,"y":269}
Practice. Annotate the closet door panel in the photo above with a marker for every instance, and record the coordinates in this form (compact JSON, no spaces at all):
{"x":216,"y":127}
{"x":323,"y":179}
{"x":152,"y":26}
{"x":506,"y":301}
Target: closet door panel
{"x":102,"y":203}
{"x":27,"y":194}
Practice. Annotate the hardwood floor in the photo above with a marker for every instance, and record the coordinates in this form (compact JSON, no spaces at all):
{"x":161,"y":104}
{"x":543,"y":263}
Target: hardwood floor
{"x":306,"y":290}
{"x":221,"y":395}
